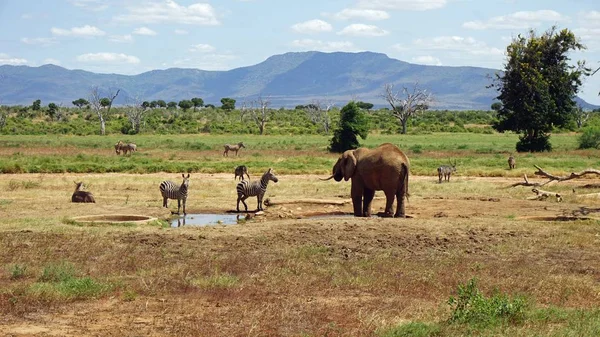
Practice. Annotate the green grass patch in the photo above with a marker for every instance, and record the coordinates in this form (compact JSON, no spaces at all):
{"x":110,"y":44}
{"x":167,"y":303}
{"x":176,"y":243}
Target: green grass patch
{"x":17,"y":271}
{"x":217,"y":280}
{"x":61,"y":281}
{"x":413,"y":329}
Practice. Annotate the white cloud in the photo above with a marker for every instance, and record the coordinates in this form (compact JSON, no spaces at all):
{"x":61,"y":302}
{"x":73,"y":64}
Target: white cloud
{"x":309,"y":44}
{"x":407,"y":5}
{"x":170,"y":12}
{"x":108,"y":58}
{"x":83,"y":31}
{"x":367,"y":14}
{"x":144,"y":31}
{"x":312,"y":26}
{"x":121,"y":38}
{"x":518,"y":20}
{"x":202,"y":48}
{"x":39,"y":41}
{"x":359,"y":29}
{"x":181,"y":32}
{"x":91,"y":5}
{"x":456,"y":43}
{"x":6,"y":59}
{"x":51,"y":61}
{"x":427,"y":60}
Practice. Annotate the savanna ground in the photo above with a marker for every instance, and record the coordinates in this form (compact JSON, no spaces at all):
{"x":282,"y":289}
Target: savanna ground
{"x":285,"y":273}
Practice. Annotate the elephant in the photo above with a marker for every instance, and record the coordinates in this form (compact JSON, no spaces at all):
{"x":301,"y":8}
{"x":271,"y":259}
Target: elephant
{"x":385,"y":168}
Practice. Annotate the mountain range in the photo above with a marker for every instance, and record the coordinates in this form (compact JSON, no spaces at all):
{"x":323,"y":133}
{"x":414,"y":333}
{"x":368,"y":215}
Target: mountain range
{"x":287,"y":80}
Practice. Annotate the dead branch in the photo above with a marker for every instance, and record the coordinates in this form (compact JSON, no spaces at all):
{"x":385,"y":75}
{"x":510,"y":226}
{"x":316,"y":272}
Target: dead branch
{"x":526,"y":183}
{"x":543,"y":195}
{"x":271,"y":202}
{"x":573,"y":175}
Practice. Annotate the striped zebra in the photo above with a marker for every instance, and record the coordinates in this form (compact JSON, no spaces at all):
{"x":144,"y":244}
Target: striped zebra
{"x":234,"y":148}
{"x":169,"y":190}
{"x":247,"y":189}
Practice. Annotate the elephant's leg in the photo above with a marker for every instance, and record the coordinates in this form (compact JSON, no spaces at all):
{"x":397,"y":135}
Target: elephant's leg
{"x":400,"y":212}
{"x":369,"y":194}
{"x":357,"y":195}
{"x":390,"y":195}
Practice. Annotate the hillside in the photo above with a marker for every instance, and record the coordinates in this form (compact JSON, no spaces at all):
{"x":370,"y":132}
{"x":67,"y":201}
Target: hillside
{"x":288,"y":79}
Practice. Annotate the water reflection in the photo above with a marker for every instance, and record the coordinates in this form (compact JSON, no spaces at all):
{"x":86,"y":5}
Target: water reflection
{"x":207,"y":220}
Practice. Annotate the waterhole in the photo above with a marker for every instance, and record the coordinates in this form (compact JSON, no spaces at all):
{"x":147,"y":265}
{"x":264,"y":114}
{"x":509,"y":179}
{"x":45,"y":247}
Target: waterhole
{"x":207,"y":220}
{"x":113,"y":218}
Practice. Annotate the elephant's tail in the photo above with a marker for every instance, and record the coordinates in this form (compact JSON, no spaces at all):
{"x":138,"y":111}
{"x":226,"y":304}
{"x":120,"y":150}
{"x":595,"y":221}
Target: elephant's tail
{"x":406,"y":182}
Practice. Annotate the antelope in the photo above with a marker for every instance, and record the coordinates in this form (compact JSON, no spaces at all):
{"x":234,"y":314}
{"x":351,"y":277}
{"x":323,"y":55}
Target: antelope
{"x":234,"y":148}
{"x":445,"y":171}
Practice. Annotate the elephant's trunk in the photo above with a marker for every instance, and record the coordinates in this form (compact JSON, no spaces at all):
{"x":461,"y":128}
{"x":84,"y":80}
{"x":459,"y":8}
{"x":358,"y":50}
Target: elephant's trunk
{"x":327,"y":178}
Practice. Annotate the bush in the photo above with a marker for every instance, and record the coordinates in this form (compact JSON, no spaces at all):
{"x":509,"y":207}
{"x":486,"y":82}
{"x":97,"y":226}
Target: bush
{"x":590,"y":138}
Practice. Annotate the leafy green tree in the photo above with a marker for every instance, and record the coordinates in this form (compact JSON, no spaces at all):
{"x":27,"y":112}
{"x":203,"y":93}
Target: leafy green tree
{"x":172,"y":105}
{"x":353,"y":123}
{"x":80,"y":103}
{"x":105,"y":102}
{"x":227,"y":103}
{"x":212,"y":106}
{"x":52,"y":109}
{"x":145,"y":104}
{"x":496,"y":106}
{"x":364,"y":105}
{"x":197,"y":102}
{"x":538,"y":86}
{"x":185,"y":104}
{"x":161,"y":103}
{"x":153,"y":104}
{"x":37,"y":105}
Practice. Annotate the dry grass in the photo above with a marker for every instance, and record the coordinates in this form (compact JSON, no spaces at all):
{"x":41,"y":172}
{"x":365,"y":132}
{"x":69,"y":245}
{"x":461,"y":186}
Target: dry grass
{"x":279,"y":275}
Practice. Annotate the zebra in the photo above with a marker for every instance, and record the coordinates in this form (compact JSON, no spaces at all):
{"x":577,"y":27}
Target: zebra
{"x":247,"y":189}
{"x":169,"y":190}
{"x":81,"y":196}
{"x":240,"y":171}
{"x":234,"y":148}
{"x":446,"y":171}
{"x":512,"y":163}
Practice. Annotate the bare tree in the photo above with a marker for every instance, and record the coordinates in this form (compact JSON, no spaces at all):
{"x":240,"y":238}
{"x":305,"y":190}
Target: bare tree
{"x":407,"y":103}
{"x":95,"y":102}
{"x":318,"y":112}
{"x":259,"y":110}
{"x":136,"y":112}
{"x":581,"y":116}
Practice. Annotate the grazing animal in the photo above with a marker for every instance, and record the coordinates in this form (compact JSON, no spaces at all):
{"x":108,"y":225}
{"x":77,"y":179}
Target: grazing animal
{"x":384,"y":168}
{"x":129,"y":147}
{"x":118,"y":147}
{"x":445,"y":171}
{"x":247,"y":189}
{"x":169,"y":190}
{"x":234,"y":148}
{"x":81,"y":196}
{"x":240,"y":171}
{"x":512,"y":163}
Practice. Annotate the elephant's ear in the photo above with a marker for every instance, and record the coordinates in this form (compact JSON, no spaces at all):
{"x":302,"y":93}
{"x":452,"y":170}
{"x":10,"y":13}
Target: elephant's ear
{"x":349,"y":164}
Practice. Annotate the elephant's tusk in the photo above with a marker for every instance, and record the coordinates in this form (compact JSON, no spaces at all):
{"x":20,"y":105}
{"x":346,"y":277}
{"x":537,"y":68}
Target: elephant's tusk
{"x":326,"y":179}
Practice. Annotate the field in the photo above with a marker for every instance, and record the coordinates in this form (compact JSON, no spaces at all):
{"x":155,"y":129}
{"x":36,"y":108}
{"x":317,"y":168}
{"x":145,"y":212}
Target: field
{"x":512,"y":267}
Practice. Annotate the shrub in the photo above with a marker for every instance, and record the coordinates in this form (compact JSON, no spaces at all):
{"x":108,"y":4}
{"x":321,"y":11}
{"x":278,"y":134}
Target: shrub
{"x":535,"y":144}
{"x":590,"y":138}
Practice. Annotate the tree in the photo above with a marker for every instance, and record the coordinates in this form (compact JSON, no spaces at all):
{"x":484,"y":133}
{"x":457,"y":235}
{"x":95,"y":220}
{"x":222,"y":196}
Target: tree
{"x":185,"y":104}
{"x":581,"y":115}
{"x":406,"y":103}
{"x":364,"y":105}
{"x":161,"y":103}
{"x":318,"y":113}
{"x":172,"y":105}
{"x":145,"y":104}
{"x":99,"y":104}
{"x":227,"y":103}
{"x":537,"y":86}
{"x":153,"y":104}
{"x":260,"y":112}
{"x":52,"y":109}
{"x":135,"y":113}
{"x":80,"y":103}
{"x":496,"y":106}
{"x":197,"y":102}
{"x":37,"y":105}
{"x":353,"y":123}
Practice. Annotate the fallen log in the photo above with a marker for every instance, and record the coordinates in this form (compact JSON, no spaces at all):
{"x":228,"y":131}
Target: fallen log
{"x":543,"y":195}
{"x":573,"y":175}
{"x":272,"y":202}
{"x":526,"y":183}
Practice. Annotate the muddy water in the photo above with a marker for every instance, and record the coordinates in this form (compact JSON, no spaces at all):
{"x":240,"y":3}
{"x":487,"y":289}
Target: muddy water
{"x":206,"y":220}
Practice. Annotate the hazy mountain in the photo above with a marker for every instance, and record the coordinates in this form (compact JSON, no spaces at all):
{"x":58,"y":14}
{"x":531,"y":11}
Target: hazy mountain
{"x":288,"y":79}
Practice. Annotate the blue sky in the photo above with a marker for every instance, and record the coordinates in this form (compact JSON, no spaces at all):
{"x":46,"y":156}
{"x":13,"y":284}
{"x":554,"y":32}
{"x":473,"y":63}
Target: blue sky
{"x":134,"y":36}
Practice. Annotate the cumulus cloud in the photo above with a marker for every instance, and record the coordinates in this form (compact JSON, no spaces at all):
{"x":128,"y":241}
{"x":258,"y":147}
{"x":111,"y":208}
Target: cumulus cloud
{"x":85,"y":31}
{"x":90,"y":5}
{"x":518,"y":20}
{"x":181,"y":32}
{"x":359,"y":29}
{"x":170,"y":12}
{"x":39,"y":41}
{"x":144,"y":31}
{"x":51,"y":61}
{"x":312,"y":26}
{"x":406,"y":5}
{"x":15,"y":61}
{"x":108,"y":58}
{"x":121,"y":38}
{"x":427,"y":60}
{"x":202,"y":48}
{"x":367,"y":14}
{"x":310,"y":44}
{"x":456,"y":43}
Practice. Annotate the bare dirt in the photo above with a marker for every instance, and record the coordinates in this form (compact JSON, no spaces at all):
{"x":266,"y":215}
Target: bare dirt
{"x":300,"y":269}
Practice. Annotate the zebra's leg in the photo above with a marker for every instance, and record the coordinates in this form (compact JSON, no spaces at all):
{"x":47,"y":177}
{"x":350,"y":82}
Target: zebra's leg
{"x":259,"y":199}
{"x":165,"y":202}
{"x":244,"y":202}
{"x":178,"y":205}
{"x":184,"y":213}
